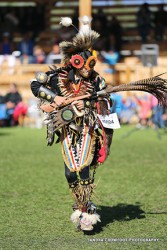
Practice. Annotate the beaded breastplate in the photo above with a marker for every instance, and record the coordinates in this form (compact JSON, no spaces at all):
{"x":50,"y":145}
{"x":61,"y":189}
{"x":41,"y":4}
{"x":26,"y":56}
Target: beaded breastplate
{"x":69,"y":89}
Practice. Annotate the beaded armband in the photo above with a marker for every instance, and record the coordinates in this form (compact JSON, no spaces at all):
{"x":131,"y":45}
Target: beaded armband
{"x":46,"y":94}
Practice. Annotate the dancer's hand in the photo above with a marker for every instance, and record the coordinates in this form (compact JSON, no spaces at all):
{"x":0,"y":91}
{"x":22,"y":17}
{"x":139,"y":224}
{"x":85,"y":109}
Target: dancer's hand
{"x":79,"y":104}
{"x":59,"y":100}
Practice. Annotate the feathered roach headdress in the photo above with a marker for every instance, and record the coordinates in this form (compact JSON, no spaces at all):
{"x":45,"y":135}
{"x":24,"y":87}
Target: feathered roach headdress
{"x":83,"y":41}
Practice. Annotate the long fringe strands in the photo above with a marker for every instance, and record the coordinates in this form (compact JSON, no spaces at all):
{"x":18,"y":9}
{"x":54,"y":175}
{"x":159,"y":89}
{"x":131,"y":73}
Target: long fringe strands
{"x":86,"y":193}
{"x":76,"y":194}
{"x":82,"y":194}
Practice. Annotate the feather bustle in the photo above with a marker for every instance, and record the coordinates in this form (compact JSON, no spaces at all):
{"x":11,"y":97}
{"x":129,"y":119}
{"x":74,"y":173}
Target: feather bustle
{"x":156,"y":86}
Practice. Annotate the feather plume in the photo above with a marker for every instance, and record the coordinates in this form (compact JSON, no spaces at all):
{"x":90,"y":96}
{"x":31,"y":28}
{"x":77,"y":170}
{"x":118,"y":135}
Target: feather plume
{"x":156,"y":86}
{"x":85,"y":20}
{"x":85,"y":220}
{"x":66,"y":21}
{"x":85,"y":24}
{"x":75,"y":216}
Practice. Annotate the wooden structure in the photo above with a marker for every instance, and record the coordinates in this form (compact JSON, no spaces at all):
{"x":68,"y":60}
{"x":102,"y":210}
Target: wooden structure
{"x":85,"y":8}
{"x":125,"y":11}
{"x":130,"y":69}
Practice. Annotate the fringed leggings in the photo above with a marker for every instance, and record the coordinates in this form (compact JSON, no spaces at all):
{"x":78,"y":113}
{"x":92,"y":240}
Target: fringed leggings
{"x":81,"y":186}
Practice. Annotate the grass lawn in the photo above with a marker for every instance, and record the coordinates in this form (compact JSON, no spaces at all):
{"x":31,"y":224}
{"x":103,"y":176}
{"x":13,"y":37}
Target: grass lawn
{"x":35,"y":202}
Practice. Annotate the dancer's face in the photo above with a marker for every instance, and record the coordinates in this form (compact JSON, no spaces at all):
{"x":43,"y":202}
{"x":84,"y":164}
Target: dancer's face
{"x":84,"y":72}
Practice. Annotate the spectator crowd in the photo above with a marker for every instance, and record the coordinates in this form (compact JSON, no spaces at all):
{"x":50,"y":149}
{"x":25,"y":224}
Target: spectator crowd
{"x":130,"y":109}
{"x":13,"y":20}
{"x":140,"y":109}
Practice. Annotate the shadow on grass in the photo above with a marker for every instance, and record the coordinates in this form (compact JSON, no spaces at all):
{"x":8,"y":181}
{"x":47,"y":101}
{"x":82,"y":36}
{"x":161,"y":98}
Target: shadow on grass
{"x":120,"y":212}
{"x":5,"y":133}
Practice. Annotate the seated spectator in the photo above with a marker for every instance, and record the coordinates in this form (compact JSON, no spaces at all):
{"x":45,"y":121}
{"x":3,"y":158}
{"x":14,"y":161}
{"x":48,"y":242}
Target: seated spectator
{"x":19,"y":113}
{"x":6,"y":47}
{"x":38,"y":55}
{"x":111,"y":58}
{"x":128,"y":114}
{"x":2,"y":110}
{"x":157,"y":113}
{"x":26,"y":48}
{"x":54,"y":57}
{"x":13,"y":99}
{"x":111,"y":55}
{"x":117,"y":103}
{"x":145,"y":111}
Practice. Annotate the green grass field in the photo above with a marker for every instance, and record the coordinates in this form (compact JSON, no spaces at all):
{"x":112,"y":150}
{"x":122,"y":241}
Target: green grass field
{"x":35,"y":202}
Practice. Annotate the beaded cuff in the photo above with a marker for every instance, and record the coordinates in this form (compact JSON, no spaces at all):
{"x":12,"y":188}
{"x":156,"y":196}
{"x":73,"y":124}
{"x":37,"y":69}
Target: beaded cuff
{"x":46,"y":94}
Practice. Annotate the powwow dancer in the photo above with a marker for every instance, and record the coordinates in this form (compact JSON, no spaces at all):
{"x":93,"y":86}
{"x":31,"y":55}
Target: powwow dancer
{"x":76,"y":106}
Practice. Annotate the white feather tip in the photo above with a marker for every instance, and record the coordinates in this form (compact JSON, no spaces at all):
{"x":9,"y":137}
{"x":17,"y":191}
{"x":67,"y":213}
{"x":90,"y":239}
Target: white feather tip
{"x":85,"y":20}
{"x":66,"y":21}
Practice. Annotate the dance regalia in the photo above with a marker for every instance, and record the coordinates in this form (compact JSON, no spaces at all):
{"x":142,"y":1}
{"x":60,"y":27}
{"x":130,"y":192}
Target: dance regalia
{"x":85,"y":141}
